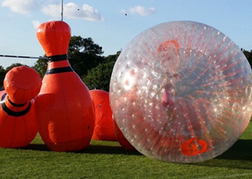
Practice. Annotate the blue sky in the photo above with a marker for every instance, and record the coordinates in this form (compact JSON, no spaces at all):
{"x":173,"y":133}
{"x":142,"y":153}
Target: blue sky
{"x":106,"y":23}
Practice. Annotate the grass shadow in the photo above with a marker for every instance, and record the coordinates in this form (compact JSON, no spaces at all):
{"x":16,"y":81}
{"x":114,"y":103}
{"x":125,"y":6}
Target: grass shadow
{"x":102,"y":149}
{"x":238,"y":156}
{"x":91,"y":149}
{"x":241,"y":150}
{"x":36,"y":147}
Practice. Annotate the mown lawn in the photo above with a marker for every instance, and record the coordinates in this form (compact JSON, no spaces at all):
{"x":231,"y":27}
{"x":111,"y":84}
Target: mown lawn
{"x":103,"y":159}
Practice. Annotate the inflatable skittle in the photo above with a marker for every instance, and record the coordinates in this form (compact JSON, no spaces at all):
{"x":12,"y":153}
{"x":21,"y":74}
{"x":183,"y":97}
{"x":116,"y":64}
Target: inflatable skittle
{"x":64,"y":105}
{"x":103,"y":129}
{"x":17,"y":111}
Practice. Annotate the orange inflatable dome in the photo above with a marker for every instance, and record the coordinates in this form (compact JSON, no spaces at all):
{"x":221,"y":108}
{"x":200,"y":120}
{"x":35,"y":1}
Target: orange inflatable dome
{"x":121,"y":139}
{"x":103,"y":129}
{"x":17,"y":111}
{"x":119,"y":135}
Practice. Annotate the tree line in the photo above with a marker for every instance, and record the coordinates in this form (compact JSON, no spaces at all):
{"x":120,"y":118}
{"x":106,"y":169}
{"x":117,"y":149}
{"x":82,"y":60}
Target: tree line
{"x":86,"y":58}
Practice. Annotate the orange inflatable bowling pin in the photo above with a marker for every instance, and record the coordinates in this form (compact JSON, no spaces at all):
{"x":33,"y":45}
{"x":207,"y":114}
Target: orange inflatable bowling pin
{"x":17,"y":111}
{"x":103,"y":129}
{"x":64,"y":106}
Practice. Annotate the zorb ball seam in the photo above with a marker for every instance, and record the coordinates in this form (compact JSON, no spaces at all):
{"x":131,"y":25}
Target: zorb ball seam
{"x":181,"y":92}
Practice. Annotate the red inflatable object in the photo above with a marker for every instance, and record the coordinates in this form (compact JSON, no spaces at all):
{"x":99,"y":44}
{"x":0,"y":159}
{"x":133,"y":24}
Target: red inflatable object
{"x":22,"y":84}
{"x":121,"y":139}
{"x":64,"y":106}
{"x":17,"y":112}
{"x":103,"y":129}
{"x":119,"y":135}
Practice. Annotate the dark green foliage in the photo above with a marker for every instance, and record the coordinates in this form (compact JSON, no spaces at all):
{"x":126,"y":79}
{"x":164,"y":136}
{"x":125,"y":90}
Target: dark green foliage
{"x":82,"y":62}
{"x":99,"y":77}
{"x":84,"y":54}
{"x":2,"y":75}
{"x":84,"y":45}
{"x":12,"y":66}
{"x":248,"y":55}
{"x":40,"y":66}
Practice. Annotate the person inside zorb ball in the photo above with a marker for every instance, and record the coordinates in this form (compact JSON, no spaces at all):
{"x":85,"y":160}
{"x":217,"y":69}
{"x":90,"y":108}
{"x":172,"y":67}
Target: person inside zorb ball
{"x":181,"y":92}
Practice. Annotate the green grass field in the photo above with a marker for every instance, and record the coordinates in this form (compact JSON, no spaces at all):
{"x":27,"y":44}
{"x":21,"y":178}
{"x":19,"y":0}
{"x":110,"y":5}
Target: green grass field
{"x":103,"y":159}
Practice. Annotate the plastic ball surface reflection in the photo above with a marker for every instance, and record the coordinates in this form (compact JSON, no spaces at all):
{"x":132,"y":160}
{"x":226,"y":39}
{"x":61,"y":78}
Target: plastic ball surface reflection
{"x":181,"y":92}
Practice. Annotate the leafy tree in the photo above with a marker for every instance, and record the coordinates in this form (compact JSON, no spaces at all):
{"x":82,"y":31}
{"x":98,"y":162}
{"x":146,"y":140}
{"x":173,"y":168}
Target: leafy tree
{"x":2,"y":75}
{"x":83,"y":62}
{"x":99,"y":77}
{"x":84,"y":54}
{"x":41,"y":66}
{"x":12,"y":66}
{"x":84,"y":45}
{"x":113,"y":57}
{"x":248,"y":55}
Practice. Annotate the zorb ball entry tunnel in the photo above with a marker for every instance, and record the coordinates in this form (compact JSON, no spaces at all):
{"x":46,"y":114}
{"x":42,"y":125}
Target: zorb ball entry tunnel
{"x":181,"y":92}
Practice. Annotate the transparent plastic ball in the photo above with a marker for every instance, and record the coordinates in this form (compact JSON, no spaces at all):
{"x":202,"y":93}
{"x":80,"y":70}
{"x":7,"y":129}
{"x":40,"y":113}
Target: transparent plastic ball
{"x":181,"y":92}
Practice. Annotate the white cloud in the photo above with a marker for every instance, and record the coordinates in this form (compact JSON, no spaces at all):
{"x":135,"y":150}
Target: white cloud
{"x":70,"y":10}
{"x":51,"y":10}
{"x":73,"y":11}
{"x":35,"y":24}
{"x":142,"y":11}
{"x":20,"y":6}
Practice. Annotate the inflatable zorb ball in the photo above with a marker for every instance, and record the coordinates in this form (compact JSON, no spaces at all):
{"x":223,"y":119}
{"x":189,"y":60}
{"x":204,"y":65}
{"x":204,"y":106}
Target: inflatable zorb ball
{"x":181,"y":92}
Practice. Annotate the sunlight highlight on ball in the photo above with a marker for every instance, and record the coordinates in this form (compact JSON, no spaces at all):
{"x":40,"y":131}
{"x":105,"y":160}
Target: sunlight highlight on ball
{"x":181,"y":92}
